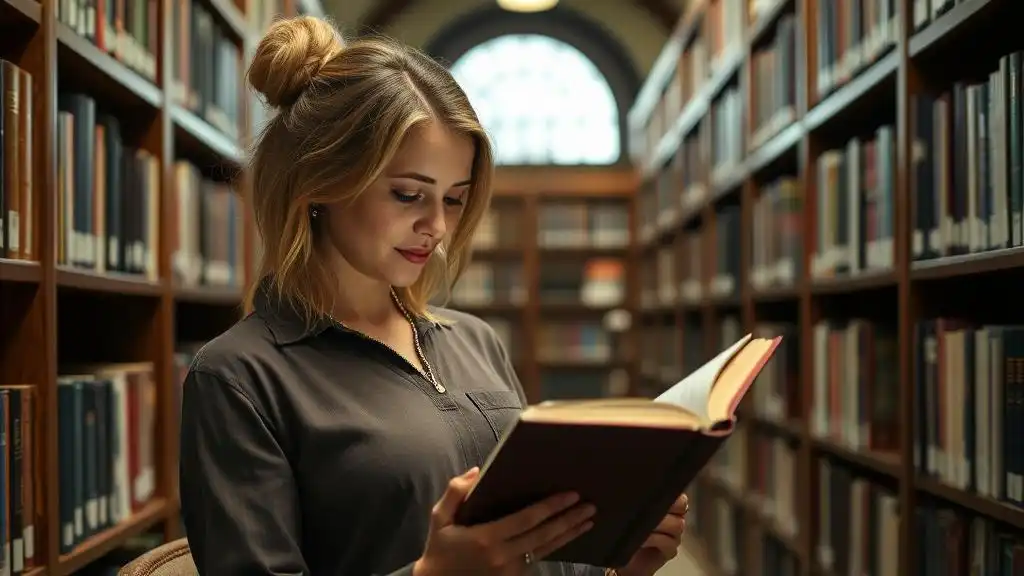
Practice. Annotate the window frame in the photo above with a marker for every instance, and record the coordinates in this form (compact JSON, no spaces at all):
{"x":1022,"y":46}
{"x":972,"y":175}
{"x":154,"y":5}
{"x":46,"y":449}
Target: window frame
{"x":545,"y":124}
{"x":560,"y":23}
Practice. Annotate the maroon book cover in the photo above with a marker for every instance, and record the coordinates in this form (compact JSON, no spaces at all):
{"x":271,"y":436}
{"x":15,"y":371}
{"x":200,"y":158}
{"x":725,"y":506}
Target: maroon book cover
{"x":630,"y":457}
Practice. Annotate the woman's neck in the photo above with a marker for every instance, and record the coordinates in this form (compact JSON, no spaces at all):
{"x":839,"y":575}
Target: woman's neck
{"x":361,"y":299}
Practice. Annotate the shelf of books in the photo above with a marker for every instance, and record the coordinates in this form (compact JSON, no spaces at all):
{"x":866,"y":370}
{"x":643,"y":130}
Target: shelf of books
{"x":551,"y":272}
{"x":844,"y":174}
{"x":123,"y":245}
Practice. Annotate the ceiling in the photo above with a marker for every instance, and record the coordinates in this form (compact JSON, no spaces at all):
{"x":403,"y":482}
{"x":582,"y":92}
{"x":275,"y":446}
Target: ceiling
{"x":379,"y":14}
{"x":640,"y":26}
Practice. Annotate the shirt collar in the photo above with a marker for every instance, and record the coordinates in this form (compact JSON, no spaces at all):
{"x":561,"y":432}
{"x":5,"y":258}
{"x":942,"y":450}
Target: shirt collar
{"x":288,"y":325}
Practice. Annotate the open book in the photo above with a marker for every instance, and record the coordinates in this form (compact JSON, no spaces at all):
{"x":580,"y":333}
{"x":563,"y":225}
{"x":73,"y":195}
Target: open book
{"x":631,"y":457}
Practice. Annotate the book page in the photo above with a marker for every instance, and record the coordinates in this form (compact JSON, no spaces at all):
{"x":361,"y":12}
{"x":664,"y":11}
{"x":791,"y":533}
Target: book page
{"x":614,"y":412}
{"x":693,"y":392}
{"x":732,"y":384}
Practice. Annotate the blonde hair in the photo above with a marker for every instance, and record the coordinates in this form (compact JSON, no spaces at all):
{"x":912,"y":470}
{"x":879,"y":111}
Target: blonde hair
{"x":342,"y":112}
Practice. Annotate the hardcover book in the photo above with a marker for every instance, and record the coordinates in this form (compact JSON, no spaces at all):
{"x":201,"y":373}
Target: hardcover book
{"x":630,"y":457}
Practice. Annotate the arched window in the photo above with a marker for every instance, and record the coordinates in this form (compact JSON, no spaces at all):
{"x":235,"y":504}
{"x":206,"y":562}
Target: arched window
{"x":541,"y":100}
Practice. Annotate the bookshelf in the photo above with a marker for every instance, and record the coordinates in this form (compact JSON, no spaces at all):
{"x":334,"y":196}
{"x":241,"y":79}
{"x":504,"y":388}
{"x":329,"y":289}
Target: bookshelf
{"x":125,"y":242}
{"x":552,"y":273}
{"x":845,"y":174}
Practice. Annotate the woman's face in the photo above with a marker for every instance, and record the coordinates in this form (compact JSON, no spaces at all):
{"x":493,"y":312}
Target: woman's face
{"x":392,"y":229}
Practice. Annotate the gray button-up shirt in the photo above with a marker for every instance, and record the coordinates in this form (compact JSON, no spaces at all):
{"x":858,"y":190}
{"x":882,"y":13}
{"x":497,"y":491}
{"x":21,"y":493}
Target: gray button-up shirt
{"x":318,"y":451}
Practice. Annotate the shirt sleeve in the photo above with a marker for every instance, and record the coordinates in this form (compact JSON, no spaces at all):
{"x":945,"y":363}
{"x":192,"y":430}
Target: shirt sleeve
{"x":238,"y":495}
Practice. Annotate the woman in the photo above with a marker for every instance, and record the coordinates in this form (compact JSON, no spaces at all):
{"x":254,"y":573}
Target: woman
{"x":328,"y":433}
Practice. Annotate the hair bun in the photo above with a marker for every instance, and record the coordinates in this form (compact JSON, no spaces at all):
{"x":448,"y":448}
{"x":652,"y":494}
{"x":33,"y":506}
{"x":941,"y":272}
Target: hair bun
{"x":289,"y":57}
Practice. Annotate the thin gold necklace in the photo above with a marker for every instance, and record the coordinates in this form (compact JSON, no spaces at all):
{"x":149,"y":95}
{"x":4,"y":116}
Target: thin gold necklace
{"x":429,"y":372}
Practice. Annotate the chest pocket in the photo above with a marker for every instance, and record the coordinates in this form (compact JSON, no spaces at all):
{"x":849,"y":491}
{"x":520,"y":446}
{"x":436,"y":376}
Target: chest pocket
{"x":499,"y":407}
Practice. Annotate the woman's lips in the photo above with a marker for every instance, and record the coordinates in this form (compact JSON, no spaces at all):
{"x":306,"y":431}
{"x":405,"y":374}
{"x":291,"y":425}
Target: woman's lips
{"x":414,"y":256}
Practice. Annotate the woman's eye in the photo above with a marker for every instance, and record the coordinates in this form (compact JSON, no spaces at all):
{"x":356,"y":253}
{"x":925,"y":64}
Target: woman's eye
{"x":406,"y":197}
{"x":453,"y":201}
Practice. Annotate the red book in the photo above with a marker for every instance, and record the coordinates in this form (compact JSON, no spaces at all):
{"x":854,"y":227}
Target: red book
{"x":630,"y":457}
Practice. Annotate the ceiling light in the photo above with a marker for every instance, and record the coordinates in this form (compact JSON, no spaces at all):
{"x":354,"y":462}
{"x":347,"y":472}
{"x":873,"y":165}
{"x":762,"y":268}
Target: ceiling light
{"x":527,"y":5}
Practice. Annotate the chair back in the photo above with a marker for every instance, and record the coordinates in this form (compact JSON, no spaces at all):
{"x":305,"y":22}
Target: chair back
{"x":171,"y":559}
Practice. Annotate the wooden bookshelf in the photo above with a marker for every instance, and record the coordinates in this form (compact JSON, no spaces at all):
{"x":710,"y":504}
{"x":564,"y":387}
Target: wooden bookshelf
{"x":62,"y":304}
{"x":552,"y":271}
{"x":851,"y":204}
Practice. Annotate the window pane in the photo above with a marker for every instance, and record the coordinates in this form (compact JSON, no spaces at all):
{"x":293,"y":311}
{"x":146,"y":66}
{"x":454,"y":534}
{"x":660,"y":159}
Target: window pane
{"x":541,"y":100}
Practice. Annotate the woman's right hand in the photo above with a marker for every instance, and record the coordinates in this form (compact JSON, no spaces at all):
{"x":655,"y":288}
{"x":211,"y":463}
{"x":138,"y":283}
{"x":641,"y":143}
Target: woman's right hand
{"x":500,"y":547}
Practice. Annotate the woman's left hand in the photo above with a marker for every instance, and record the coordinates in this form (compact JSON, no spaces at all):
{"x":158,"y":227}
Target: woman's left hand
{"x":663,"y":543}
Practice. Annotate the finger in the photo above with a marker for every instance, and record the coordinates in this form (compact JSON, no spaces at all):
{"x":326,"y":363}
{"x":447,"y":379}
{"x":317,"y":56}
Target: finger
{"x":680,"y":506}
{"x":667,"y":545}
{"x":530,"y":517}
{"x":552,"y":530}
{"x":671,"y":525}
{"x":444,"y":511}
{"x":553,"y":545}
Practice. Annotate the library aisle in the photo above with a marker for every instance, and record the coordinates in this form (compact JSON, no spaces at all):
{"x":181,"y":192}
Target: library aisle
{"x":685,"y":564}
{"x":846,"y":175}
{"x":682,"y":565}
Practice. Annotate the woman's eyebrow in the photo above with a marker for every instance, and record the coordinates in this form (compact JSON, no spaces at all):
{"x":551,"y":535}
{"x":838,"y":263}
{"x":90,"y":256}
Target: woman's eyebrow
{"x":428,"y":180}
{"x":416,"y":176}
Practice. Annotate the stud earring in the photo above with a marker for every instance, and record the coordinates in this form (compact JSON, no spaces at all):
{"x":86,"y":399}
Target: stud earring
{"x":314,"y":211}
